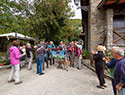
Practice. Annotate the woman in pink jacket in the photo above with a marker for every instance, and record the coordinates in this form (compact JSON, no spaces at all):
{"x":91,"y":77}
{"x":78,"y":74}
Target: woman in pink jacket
{"x":14,"y":60}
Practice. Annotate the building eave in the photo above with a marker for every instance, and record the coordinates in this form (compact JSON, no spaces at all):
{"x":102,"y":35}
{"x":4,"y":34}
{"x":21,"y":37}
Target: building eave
{"x":111,"y":4}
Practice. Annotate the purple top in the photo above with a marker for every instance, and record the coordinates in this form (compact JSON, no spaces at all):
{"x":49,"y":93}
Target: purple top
{"x":119,"y":71}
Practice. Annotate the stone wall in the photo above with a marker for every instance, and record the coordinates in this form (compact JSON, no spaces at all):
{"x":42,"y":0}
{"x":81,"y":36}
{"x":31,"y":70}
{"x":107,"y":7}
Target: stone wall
{"x":97,"y":24}
{"x":109,"y":28}
{"x":100,"y":26}
{"x":109,"y":20}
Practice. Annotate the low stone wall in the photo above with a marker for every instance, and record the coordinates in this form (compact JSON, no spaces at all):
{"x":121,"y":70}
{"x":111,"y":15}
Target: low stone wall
{"x":86,"y":62}
{"x":5,"y":67}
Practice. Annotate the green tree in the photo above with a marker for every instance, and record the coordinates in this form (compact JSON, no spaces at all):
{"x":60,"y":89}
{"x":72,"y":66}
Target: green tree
{"x":47,"y":20}
{"x":9,"y":20}
{"x":42,"y":19}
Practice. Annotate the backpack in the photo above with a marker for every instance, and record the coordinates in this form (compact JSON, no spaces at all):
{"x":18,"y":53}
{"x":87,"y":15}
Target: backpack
{"x":78,"y":52}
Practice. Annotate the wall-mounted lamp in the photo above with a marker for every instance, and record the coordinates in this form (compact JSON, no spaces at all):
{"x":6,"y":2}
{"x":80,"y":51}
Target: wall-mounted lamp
{"x":84,"y":8}
{"x":77,"y":2}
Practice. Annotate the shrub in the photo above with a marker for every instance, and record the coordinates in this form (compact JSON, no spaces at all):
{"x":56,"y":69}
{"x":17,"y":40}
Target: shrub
{"x":7,"y":62}
{"x":85,"y":54}
{"x":108,"y":53}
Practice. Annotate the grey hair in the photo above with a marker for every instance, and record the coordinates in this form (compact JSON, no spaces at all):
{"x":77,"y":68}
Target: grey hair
{"x":41,"y":42}
{"x":118,"y":50}
{"x":27,"y":44}
{"x":51,"y":42}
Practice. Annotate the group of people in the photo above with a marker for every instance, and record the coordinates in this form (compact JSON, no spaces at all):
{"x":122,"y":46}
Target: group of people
{"x":72,"y":51}
{"x":44,"y":52}
{"x":116,"y":65}
{"x":21,"y":53}
{"x":18,"y":54}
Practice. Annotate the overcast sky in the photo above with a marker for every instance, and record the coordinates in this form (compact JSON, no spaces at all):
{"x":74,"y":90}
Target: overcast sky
{"x":77,"y":11}
{"x":74,"y":8}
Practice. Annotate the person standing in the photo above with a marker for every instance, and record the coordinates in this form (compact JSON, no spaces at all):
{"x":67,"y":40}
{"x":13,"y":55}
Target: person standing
{"x":119,"y":71}
{"x":51,"y":48}
{"x":46,"y":55}
{"x":62,"y":45}
{"x":14,"y":60}
{"x":23,"y":51}
{"x":99,"y":65}
{"x":111,"y":65}
{"x":72,"y":54}
{"x":40,"y":52}
{"x":65,"y":57}
{"x":79,"y":55}
{"x":29,"y":55}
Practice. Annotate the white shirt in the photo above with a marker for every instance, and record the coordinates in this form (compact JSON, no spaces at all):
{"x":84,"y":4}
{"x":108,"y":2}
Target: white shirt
{"x":23,"y":50}
{"x":80,"y":46}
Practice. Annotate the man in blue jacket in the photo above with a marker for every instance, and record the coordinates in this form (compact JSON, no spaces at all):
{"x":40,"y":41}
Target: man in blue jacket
{"x":111,"y":65}
{"x":119,"y":71}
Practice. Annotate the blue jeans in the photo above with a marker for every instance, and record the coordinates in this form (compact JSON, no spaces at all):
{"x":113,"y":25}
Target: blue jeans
{"x":39,"y":65}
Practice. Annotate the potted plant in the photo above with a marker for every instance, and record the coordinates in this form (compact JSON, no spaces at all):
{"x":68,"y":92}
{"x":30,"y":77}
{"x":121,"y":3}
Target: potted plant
{"x":108,"y":53}
{"x":2,"y":63}
{"x":5,"y":62}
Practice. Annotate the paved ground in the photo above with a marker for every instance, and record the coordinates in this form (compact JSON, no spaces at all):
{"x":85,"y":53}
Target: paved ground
{"x":54,"y":82}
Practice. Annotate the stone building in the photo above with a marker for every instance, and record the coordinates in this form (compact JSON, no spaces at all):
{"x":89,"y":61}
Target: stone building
{"x":103,"y":22}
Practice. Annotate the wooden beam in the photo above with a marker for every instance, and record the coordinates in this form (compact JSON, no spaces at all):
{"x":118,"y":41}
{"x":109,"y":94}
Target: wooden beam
{"x":116,"y":6}
{"x":118,"y":39}
{"x":118,"y":27}
{"x":119,"y":35}
{"x":111,"y":0}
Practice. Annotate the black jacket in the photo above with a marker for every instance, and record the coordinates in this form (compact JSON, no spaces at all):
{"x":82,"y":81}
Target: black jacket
{"x":28,"y":51}
{"x":99,"y":62}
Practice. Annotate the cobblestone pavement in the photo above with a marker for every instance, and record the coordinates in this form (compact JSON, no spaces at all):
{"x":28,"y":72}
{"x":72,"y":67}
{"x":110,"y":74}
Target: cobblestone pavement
{"x":54,"y":82}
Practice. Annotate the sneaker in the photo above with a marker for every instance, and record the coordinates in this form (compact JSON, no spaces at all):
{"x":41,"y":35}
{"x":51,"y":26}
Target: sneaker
{"x":41,"y":74}
{"x":19,"y":82}
{"x":9,"y":81}
{"x":78,"y":68}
